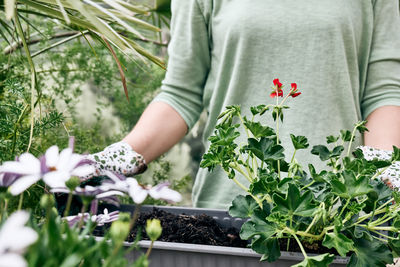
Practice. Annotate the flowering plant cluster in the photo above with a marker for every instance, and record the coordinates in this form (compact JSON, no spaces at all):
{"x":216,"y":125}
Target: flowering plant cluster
{"x":346,"y":207}
{"x":69,"y":240}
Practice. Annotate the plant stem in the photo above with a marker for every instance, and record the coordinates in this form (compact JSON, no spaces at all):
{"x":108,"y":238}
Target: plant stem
{"x":373,"y":212}
{"x":33,"y":73}
{"x":383,"y":228}
{"x":238,"y":169}
{"x":344,"y":207}
{"x":134,"y":217}
{"x":69,"y":201}
{"x":301,"y":246}
{"x":240,"y":185}
{"x":380,"y":172}
{"x":247,"y":167}
{"x":259,"y":202}
{"x":244,"y":126}
{"x":21,"y":200}
{"x":383,"y":235}
{"x":380,"y":239}
{"x":83,"y":209}
{"x":353,"y":134}
{"x":14,"y":140}
{"x":149,"y":249}
{"x":308,"y":185}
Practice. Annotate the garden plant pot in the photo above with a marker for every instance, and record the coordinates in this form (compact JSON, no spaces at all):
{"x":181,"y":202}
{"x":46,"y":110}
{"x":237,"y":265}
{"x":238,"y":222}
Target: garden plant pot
{"x":171,"y":254}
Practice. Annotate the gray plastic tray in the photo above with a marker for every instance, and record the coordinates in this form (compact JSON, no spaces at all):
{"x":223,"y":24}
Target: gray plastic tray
{"x":168,"y":254}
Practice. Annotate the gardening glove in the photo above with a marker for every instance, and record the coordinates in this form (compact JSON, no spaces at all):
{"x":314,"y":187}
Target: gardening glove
{"x":391,"y":176}
{"x":119,"y":158}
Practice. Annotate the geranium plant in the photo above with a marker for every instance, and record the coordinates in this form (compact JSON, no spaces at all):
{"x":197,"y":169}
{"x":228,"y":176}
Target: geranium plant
{"x":346,"y":208}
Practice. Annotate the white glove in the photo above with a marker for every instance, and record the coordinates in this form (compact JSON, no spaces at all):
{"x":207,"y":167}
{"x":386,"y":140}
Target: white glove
{"x":391,"y":176}
{"x":118,"y":158}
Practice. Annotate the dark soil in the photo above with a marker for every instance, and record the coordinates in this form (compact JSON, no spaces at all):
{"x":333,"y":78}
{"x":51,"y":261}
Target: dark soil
{"x":199,"y":229}
{"x":315,"y":248}
{"x":203,"y":229}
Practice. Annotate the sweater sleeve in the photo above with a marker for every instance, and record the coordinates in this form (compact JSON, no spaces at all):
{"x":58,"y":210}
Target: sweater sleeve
{"x":189,"y":60}
{"x":383,"y":76}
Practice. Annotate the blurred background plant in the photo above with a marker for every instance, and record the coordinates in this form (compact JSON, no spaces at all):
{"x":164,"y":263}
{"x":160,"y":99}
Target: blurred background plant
{"x":77,"y":68}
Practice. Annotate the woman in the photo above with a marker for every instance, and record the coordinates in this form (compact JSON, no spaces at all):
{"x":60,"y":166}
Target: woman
{"x":344,"y":55}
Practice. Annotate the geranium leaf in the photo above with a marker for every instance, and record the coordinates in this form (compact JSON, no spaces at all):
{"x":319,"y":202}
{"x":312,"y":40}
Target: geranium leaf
{"x":259,"y":228}
{"x":299,"y":142}
{"x":396,"y":154}
{"x":360,"y":126}
{"x":345,"y":135}
{"x":380,"y":192}
{"x":339,"y":241}
{"x":259,"y":130}
{"x":260,"y":109}
{"x":242,"y":207}
{"x":369,"y":253}
{"x":294,"y":203}
{"x":352,"y":186}
{"x":395,"y":245}
{"x":265,"y":149}
{"x":268,"y":247}
{"x":266,"y":183}
{"x":321,"y":151}
{"x":332,"y":139}
{"x":337,"y":151}
{"x":317,"y":261}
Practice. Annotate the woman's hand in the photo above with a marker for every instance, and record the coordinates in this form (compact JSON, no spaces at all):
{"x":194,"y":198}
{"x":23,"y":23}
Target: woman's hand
{"x":118,"y":158}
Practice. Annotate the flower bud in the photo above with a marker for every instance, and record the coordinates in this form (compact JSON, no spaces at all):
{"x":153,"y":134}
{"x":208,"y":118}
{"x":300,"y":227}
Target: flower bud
{"x":124,"y":217}
{"x":73,"y":182}
{"x":153,"y":229}
{"x":47,"y":201}
{"x":119,"y":231}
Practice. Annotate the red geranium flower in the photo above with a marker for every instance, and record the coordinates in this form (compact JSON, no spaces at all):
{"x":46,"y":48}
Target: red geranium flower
{"x":273,"y":94}
{"x":277,"y":91}
{"x":277,"y":83}
{"x":293,"y":91}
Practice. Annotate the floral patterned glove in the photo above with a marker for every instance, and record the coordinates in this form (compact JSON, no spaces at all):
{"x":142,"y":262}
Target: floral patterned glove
{"x":391,"y":176}
{"x":118,"y":158}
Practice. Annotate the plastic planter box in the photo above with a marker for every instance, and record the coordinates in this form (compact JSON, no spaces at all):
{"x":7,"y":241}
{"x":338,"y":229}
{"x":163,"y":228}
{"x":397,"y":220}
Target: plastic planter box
{"x":168,"y":254}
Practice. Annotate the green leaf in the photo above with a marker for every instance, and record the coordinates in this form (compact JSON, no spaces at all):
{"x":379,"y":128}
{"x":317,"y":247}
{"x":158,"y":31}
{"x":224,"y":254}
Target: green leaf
{"x":360,"y":127}
{"x":224,"y":135}
{"x":259,"y":130}
{"x":242,"y":207}
{"x":339,"y":241}
{"x":269,"y":248}
{"x":380,"y":192}
{"x":210,"y":161}
{"x":345,"y":135}
{"x":396,"y":154}
{"x":369,"y":253}
{"x":352,"y":186}
{"x":252,"y":228}
{"x":318,"y":177}
{"x":71,"y":261}
{"x":332,"y":139}
{"x":260,"y":109}
{"x":294,"y":203}
{"x":316,"y":261}
{"x":394,"y":245}
{"x":265,"y":149}
{"x":265,"y":183}
{"x":337,"y":151}
{"x":321,"y":151}
{"x":299,"y":142}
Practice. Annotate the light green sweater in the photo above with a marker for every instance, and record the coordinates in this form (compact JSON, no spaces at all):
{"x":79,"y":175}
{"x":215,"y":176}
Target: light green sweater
{"x":343,"y":54}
